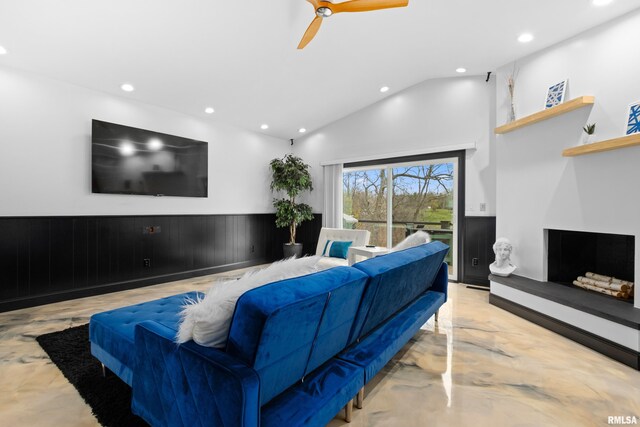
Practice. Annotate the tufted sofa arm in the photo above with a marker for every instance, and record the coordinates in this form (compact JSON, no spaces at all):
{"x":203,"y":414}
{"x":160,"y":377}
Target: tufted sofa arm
{"x":190,"y":385}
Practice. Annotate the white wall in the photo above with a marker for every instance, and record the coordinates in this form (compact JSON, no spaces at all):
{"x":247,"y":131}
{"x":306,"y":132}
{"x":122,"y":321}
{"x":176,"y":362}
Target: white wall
{"x":440,"y":113}
{"x":538,"y":188}
{"x":45,"y":153}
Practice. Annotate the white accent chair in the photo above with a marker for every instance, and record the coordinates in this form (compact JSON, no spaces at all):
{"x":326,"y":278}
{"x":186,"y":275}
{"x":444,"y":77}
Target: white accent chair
{"x":358,"y":237}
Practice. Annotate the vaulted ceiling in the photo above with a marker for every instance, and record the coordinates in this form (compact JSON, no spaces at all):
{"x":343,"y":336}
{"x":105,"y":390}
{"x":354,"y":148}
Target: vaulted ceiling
{"x":240,"y":57}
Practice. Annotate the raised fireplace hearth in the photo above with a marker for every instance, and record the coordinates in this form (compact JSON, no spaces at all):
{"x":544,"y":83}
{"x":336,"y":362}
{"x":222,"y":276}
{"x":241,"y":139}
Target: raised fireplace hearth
{"x":605,"y":324}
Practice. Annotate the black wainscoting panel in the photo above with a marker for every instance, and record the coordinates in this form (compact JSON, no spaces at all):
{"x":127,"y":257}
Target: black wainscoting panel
{"x":80,"y":254}
{"x":308,"y":234}
{"x":219,"y":242}
{"x":229,"y":232}
{"x":48,"y":259}
{"x":9,"y":260}
{"x":105,"y":248}
{"x":61,"y":253}
{"x":479,"y":236}
{"x":91,"y":249}
{"x":39,"y":255}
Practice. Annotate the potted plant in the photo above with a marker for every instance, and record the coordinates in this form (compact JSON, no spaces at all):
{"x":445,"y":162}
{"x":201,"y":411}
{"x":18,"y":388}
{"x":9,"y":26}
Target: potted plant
{"x":589,"y":130}
{"x":291,"y":175}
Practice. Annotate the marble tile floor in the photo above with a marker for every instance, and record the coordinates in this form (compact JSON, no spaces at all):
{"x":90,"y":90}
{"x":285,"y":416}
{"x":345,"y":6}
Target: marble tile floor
{"x":480,"y":366}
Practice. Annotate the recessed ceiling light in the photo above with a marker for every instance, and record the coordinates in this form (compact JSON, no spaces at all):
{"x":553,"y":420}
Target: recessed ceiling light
{"x":209,"y":110}
{"x":601,"y":2}
{"x":461,"y":70}
{"x":525,"y":37}
{"x":127,"y":87}
{"x":3,"y":51}
{"x":302,"y":130}
{"x":384,"y":89}
{"x":264,"y":126}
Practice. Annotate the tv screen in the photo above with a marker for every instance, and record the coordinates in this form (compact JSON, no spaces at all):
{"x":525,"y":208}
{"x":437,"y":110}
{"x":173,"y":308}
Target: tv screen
{"x":127,"y":160}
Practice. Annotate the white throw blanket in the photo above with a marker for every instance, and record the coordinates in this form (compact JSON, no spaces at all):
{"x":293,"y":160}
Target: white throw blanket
{"x":207,"y":320}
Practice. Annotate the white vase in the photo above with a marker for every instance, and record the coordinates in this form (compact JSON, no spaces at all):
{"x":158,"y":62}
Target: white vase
{"x":512,"y":113}
{"x":586,"y":138}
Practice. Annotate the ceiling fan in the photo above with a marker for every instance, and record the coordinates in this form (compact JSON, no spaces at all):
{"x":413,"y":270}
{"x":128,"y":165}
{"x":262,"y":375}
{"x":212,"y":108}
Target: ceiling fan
{"x":325,"y":9}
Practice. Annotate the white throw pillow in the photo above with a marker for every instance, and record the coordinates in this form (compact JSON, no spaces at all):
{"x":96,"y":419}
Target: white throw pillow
{"x":416,"y":239}
{"x":207,"y":320}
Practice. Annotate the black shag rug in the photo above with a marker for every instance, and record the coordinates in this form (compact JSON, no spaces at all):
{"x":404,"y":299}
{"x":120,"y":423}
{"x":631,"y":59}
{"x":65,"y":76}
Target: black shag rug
{"x":109,"y":397}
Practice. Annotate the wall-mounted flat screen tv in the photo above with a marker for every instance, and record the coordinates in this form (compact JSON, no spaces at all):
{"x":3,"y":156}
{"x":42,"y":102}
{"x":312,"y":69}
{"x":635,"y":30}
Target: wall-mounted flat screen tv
{"x":127,"y":160}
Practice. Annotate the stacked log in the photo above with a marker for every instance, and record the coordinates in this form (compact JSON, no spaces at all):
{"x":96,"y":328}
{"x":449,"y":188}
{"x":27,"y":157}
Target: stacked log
{"x":606,"y":285}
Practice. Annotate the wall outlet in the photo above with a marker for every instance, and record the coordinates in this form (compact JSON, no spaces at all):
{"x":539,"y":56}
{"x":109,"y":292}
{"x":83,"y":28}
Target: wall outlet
{"x":483,"y":207}
{"x":151,"y":229}
{"x":253,"y":249}
{"x":475,"y":262}
{"x":146,"y":262}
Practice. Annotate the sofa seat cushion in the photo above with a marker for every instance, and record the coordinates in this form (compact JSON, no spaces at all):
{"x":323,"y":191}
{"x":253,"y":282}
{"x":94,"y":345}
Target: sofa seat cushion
{"x":318,"y":399}
{"x":112,"y":332}
{"x":374,"y":351}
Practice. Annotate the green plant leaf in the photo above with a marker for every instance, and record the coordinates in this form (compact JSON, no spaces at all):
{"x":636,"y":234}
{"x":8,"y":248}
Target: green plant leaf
{"x":291,"y":175}
{"x":590,"y":128}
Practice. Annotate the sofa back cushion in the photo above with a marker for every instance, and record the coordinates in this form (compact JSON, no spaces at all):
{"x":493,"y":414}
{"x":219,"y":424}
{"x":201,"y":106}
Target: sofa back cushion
{"x":284,"y":330}
{"x":357,"y":237}
{"x":396,"y":279}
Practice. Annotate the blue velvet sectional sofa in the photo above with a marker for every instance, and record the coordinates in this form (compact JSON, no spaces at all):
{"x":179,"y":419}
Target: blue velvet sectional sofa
{"x":298,"y":350}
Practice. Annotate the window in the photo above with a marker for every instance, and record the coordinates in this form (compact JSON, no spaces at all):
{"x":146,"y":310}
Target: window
{"x":364,"y":202}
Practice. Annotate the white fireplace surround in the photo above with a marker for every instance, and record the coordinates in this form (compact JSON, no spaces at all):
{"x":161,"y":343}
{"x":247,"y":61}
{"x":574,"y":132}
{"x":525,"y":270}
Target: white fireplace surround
{"x":537,"y":188}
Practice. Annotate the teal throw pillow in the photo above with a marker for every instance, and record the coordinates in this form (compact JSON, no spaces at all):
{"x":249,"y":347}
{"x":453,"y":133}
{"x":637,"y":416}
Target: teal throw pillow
{"x":336,"y":249}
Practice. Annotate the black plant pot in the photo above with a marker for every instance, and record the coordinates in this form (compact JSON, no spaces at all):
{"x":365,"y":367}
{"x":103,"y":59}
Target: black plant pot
{"x":290,"y":250}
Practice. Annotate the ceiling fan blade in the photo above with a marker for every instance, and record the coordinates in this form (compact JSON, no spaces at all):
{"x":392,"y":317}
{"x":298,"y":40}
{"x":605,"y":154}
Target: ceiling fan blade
{"x":366,"y":5}
{"x":311,"y":32}
{"x":315,"y":3}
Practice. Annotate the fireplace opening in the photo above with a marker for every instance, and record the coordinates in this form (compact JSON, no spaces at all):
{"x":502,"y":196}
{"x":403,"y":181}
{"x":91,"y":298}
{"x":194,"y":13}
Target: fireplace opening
{"x":574,"y":253}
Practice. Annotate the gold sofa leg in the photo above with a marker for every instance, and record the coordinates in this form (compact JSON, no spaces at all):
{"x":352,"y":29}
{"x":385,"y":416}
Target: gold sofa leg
{"x":348,"y":410}
{"x":360,"y":398}
{"x":104,"y":372}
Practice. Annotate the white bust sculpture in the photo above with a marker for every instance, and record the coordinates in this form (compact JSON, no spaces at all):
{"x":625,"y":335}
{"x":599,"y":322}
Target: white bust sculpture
{"x":502,"y":265}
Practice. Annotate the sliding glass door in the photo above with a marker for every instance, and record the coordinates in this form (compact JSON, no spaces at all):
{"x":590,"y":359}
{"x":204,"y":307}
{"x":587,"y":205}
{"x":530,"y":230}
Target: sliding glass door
{"x":395,"y":200}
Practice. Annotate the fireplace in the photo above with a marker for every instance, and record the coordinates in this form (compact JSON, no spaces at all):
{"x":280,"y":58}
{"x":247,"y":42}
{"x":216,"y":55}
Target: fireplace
{"x":573,"y":253}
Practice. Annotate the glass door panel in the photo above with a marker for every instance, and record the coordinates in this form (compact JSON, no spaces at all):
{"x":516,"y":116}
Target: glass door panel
{"x":364,"y":198}
{"x":424,"y":199}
